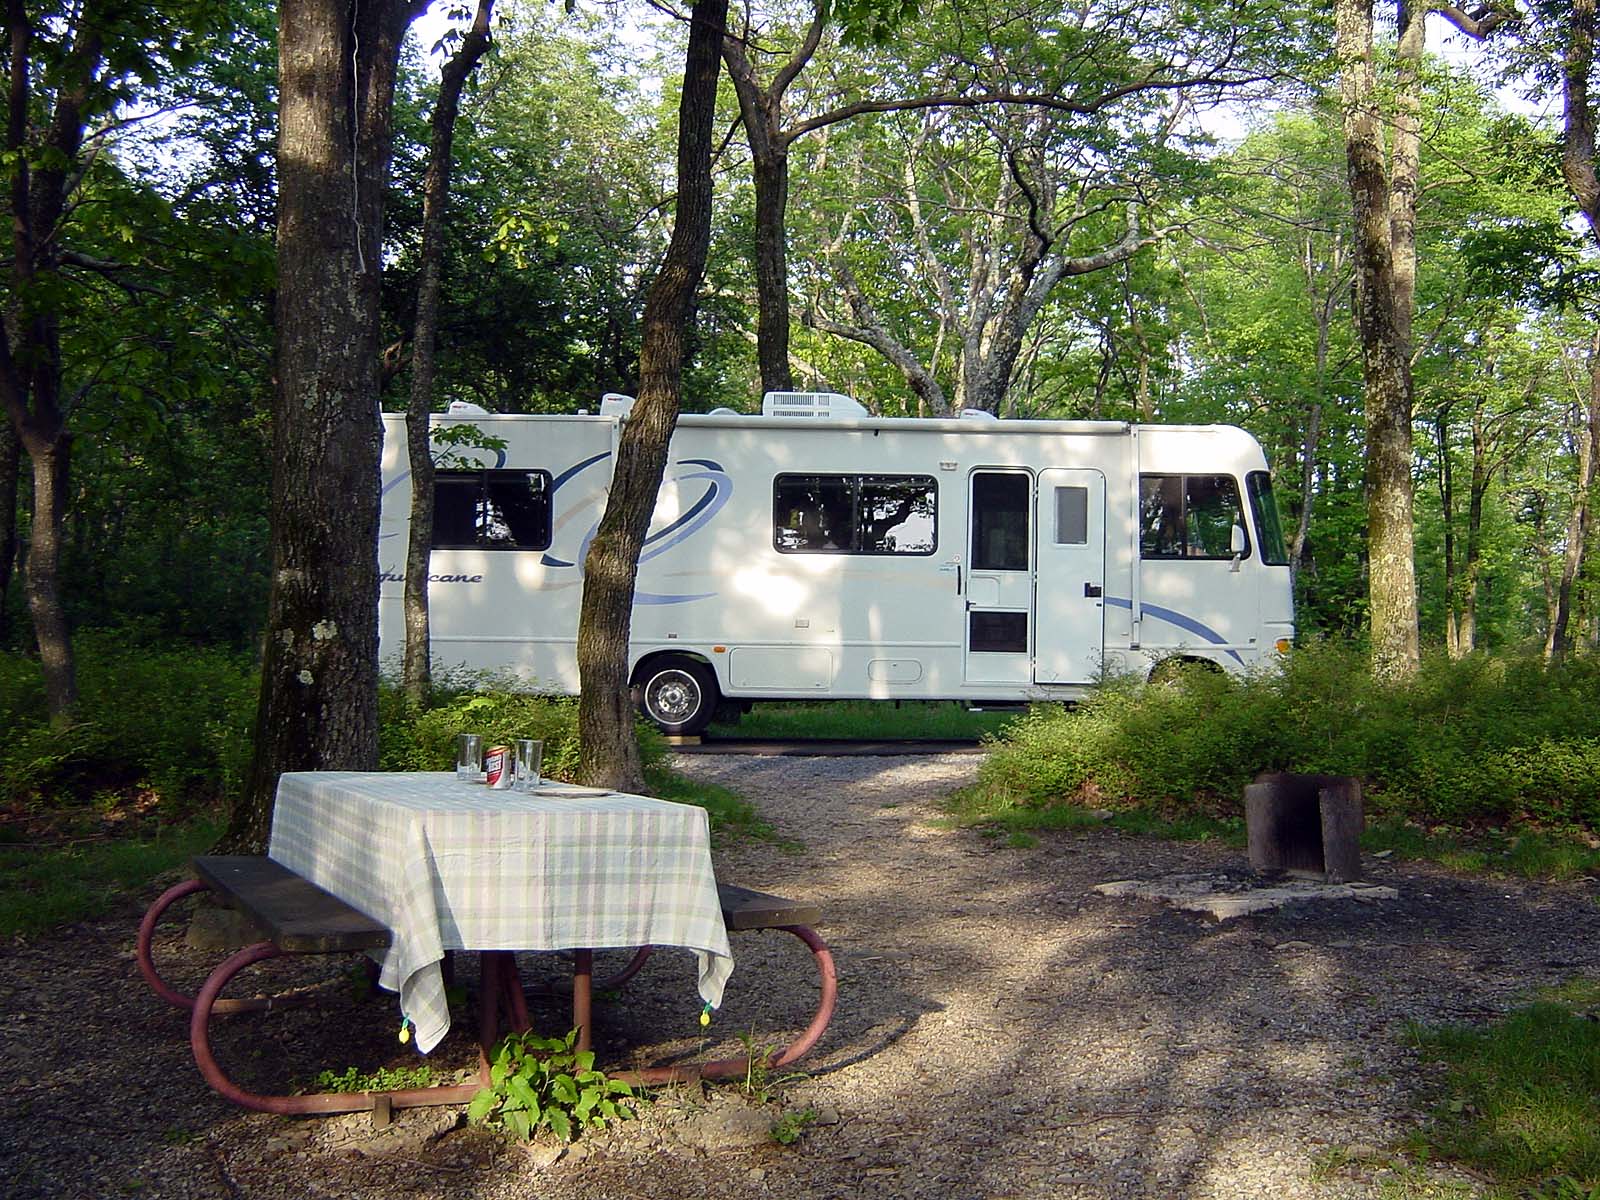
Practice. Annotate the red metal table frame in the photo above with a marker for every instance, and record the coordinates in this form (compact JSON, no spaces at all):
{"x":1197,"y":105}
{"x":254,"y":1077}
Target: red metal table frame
{"x":502,"y":1004}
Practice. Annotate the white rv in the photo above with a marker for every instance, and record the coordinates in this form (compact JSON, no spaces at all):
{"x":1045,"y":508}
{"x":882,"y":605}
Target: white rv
{"x":815,"y":551}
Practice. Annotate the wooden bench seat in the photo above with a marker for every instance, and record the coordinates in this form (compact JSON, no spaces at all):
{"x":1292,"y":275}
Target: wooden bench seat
{"x":745,"y":908}
{"x":295,"y":914}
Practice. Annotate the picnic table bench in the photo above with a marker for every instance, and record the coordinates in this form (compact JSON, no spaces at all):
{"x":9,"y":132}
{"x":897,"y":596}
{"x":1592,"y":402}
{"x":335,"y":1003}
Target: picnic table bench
{"x":294,"y":916}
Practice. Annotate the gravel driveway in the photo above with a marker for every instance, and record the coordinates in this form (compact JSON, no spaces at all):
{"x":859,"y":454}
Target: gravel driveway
{"x":1001,"y":1032}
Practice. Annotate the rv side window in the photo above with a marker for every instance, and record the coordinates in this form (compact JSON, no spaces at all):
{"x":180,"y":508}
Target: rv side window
{"x":854,"y":514}
{"x":491,"y":510}
{"x":1189,"y":516}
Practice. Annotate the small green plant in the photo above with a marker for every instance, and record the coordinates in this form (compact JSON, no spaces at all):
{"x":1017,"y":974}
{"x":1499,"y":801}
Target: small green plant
{"x":786,"y":1130}
{"x":384,"y":1079}
{"x":544,"y":1083}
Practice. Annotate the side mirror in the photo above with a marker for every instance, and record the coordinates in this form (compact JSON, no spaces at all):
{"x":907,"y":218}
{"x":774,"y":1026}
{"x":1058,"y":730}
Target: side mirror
{"x":1236,"y":546}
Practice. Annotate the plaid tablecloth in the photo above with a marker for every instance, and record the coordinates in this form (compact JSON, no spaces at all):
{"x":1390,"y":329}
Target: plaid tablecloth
{"x":450,"y":865}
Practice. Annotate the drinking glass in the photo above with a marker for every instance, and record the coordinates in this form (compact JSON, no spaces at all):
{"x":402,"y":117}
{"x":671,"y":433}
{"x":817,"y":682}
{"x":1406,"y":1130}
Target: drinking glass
{"x":530,"y":756}
{"x":469,"y":758}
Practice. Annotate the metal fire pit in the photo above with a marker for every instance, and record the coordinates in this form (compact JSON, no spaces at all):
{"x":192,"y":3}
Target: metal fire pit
{"x":1306,"y":826}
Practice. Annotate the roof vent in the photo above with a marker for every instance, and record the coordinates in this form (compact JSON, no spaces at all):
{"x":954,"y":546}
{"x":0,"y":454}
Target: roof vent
{"x":811,"y":404}
{"x":616,"y":404}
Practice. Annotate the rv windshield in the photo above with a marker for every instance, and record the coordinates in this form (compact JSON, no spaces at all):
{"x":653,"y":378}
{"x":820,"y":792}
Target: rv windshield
{"x":1269,"y":528}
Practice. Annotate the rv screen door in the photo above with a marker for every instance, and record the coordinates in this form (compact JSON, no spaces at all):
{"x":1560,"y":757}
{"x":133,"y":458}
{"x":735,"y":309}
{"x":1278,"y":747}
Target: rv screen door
{"x":1072,"y":564}
{"x":999,"y":592}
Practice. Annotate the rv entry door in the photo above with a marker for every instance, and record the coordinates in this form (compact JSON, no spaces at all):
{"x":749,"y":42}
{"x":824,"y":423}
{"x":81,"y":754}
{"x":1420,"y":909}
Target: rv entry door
{"x":1072,"y":572}
{"x":999,"y":590}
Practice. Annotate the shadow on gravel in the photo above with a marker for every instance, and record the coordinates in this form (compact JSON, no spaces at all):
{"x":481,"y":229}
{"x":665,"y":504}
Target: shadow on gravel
{"x":1000,"y":1033}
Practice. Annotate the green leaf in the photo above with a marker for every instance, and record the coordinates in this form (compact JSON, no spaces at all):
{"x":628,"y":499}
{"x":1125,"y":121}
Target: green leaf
{"x":482,"y":1105}
{"x":523,"y":1093}
{"x":520,"y":1125}
{"x":559,"y":1123}
{"x":564,"y":1089}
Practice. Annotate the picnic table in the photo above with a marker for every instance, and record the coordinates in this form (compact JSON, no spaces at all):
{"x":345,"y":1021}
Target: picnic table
{"x":448,"y":865}
{"x":406,"y":867}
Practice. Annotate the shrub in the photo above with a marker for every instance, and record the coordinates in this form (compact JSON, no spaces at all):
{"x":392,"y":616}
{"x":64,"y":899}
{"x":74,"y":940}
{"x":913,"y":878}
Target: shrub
{"x":172,"y":724}
{"x":1481,"y":740}
{"x":425,"y":740}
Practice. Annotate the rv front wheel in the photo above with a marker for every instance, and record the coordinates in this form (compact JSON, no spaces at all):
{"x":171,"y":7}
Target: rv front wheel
{"x":679,"y":695}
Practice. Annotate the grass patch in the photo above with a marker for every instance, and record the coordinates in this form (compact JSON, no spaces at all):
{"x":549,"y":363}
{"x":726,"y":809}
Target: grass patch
{"x":1521,"y":1096}
{"x":45,"y":886}
{"x":1528,"y":853}
{"x":1019,"y":821}
{"x":867,"y":720}
{"x":733,"y":818}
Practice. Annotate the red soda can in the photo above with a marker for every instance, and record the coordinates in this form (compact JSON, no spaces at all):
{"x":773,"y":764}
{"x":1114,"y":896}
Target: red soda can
{"x":497,"y":767}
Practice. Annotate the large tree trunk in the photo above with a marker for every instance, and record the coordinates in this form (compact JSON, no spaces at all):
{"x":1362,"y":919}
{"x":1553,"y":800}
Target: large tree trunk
{"x":318,"y":707}
{"x":1386,"y":370}
{"x":417,"y":675}
{"x":772,"y":270}
{"x":609,"y":754}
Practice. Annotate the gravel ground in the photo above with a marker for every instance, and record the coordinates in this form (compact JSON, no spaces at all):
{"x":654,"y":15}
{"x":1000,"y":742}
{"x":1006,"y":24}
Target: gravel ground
{"x":1001,"y":1032}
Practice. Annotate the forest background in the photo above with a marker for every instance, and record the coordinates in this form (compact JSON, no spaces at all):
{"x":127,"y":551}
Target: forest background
{"x":975,"y":210}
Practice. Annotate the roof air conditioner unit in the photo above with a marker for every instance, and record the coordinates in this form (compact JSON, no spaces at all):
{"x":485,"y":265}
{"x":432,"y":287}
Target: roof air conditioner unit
{"x":615,"y":404}
{"x":811,"y":404}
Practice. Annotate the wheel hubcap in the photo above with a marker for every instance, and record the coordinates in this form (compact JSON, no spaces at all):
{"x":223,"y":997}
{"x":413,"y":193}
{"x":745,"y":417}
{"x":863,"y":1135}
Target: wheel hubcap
{"x":673,"y":698}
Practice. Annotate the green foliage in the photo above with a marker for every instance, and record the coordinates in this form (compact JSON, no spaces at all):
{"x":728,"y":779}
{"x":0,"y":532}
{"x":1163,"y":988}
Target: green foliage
{"x":544,"y":1083}
{"x":384,"y":1079}
{"x":786,"y":1130}
{"x":169,"y":725}
{"x":42,"y":886}
{"x":1480,"y":741}
{"x":425,"y":740}
{"x":1522,"y":1096}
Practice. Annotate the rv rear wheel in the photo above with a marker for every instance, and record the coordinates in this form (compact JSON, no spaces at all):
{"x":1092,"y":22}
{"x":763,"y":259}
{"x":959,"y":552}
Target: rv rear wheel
{"x":678,"y":694}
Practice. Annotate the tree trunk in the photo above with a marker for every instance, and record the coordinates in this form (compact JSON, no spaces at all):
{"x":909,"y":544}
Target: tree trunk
{"x":1447,"y":509}
{"x":1578,"y":118}
{"x":435,"y":200}
{"x":1386,"y":370}
{"x":1559,"y":641}
{"x":50,"y":457}
{"x":318,"y":705}
{"x":609,"y":753}
{"x":772,"y":270}
{"x":10,"y":477}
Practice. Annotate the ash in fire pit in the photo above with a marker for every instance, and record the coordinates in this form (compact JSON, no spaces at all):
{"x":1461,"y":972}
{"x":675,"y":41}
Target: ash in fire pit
{"x":1225,"y":894}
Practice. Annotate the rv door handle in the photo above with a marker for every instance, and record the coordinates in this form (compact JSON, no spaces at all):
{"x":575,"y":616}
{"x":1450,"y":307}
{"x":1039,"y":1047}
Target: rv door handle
{"x":1091,"y":589}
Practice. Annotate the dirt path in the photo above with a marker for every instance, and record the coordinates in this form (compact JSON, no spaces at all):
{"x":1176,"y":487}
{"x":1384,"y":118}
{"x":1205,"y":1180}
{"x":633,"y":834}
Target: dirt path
{"x":1001,"y":1032}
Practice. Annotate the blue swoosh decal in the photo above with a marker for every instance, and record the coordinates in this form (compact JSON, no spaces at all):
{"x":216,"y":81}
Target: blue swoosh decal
{"x":573,"y":470}
{"x":1172,"y":617}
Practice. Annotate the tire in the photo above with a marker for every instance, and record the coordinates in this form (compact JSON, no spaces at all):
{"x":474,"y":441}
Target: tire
{"x":678,"y":694}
